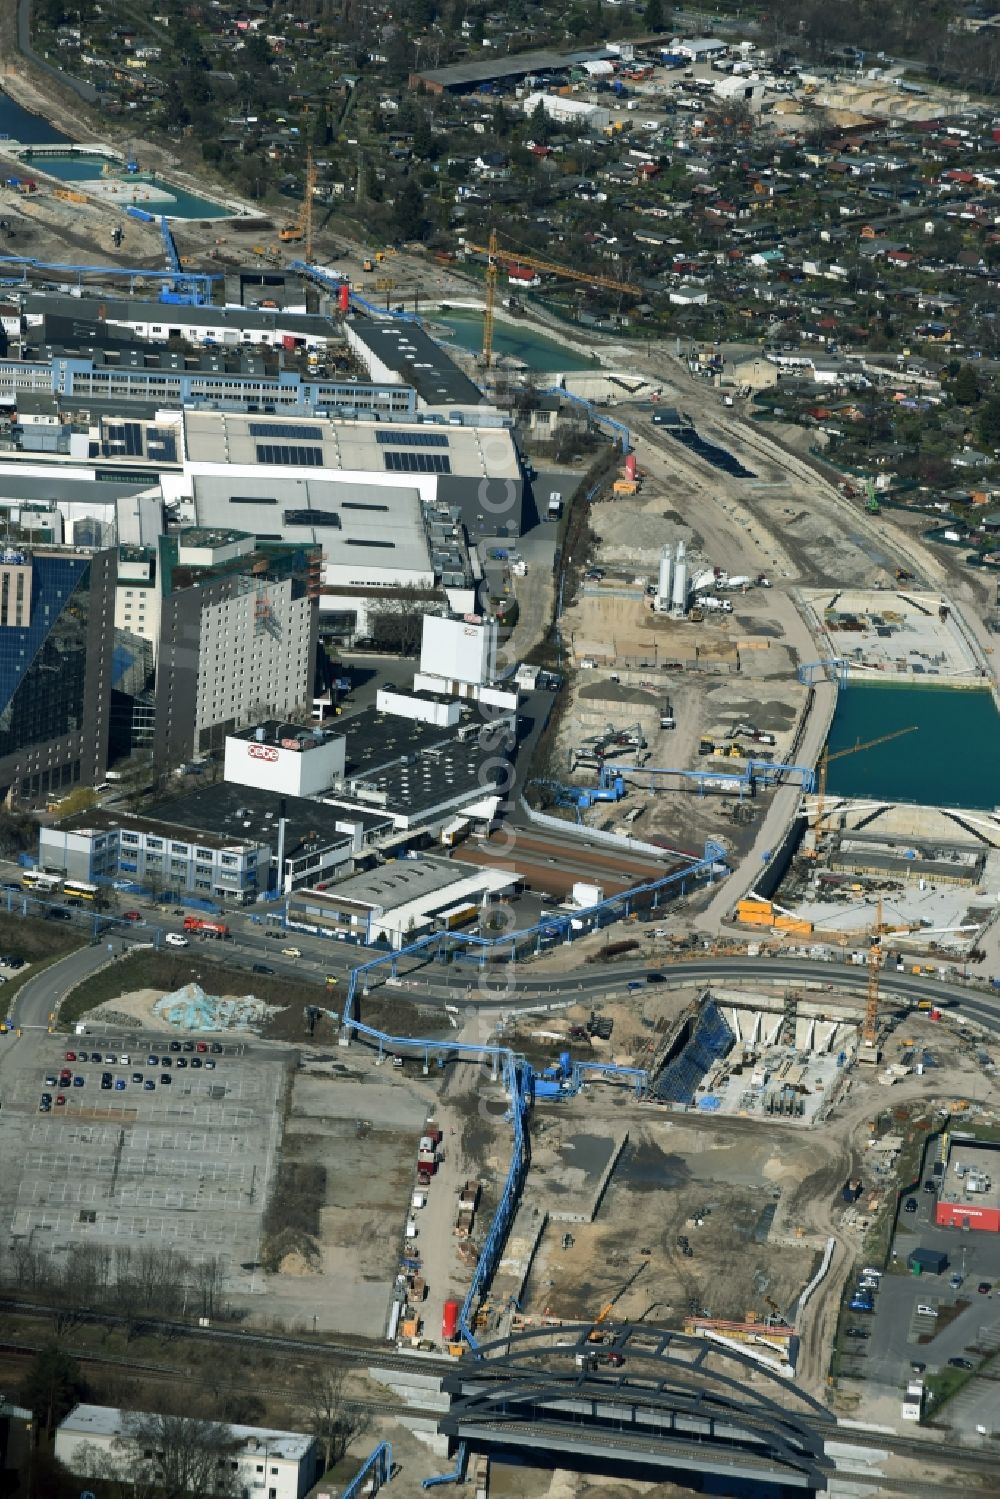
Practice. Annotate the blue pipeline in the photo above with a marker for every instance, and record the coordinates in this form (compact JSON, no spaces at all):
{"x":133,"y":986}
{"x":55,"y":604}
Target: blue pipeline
{"x":377,"y":1467}
{"x":457,"y":1474}
{"x":712,"y":863}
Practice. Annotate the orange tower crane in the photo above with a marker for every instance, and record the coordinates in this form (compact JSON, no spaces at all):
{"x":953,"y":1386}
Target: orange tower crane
{"x":826,"y":759}
{"x":495,"y":254}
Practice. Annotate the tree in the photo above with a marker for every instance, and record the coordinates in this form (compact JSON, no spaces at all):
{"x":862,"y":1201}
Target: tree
{"x":53,"y":1386}
{"x":333,"y":1423}
{"x":408,"y":220}
{"x":181,"y":1455}
{"x":966,"y":386}
{"x":989,"y":423}
{"x":653,"y":15}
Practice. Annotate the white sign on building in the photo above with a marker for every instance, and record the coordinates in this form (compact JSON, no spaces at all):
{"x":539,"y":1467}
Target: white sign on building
{"x":300,"y":766}
{"x":459,"y":650}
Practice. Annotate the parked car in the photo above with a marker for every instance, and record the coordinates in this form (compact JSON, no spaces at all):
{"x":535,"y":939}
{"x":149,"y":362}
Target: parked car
{"x":291,"y":952}
{"x":165,"y":1077}
{"x":984,"y":1288}
{"x":910,"y":1205}
{"x":261,"y":968}
{"x":132,"y":916}
{"x":961,"y":1363}
{"x":857,"y":1332}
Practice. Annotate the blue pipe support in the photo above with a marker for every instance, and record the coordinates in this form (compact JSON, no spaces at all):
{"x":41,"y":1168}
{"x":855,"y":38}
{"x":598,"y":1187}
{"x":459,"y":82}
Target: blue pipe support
{"x":711,"y":864}
{"x":599,"y":418}
{"x":377,"y":1467}
{"x":132,"y":273}
{"x":835,"y":669}
{"x":456,"y":1475}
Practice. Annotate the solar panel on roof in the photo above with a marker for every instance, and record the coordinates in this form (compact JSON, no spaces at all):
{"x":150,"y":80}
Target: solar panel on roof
{"x":417,"y":463}
{"x":284,"y":429}
{"x":412,"y":439}
{"x":295,"y":457}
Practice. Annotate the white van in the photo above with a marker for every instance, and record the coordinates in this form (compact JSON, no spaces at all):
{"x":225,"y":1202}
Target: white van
{"x":174,"y":939}
{"x":926,"y":1311}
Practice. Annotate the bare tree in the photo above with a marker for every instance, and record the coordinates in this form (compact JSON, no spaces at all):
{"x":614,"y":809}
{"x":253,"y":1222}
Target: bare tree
{"x":181,"y":1455}
{"x":333,"y":1421}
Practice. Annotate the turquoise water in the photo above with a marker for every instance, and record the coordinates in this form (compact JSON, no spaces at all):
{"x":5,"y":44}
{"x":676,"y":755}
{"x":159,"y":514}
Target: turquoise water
{"x":953,"y":758}
{"x":538,"y":352}
{"x":74,"y":168}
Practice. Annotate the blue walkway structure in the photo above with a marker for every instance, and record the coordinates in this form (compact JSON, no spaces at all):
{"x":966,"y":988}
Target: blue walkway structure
{"x":187,"y":291}
{"x":833,"y":670}
{"x":755,"y":772}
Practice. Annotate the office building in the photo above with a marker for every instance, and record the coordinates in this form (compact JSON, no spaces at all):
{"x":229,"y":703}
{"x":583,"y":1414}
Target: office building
{"x":56,"y":645}
{"x":237,"y":636}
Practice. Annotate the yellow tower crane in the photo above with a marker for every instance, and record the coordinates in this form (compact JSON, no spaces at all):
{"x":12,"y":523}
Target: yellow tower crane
{"x":826,"y":758}
{"x":495,"y":254}
{"x":302,"y":229}
{"x":869,"y":1032}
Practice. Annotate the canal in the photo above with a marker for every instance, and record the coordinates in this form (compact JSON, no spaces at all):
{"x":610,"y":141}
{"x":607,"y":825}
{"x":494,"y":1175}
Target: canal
{"x":952,"y":759}
{"x":146,"y":190}
{"x":517,"y":341}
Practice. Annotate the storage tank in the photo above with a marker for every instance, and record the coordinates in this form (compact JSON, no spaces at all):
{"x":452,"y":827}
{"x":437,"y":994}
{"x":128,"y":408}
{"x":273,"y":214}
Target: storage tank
{"x":665,"y":581}
{"x":680,"y":588}
{"x":630,"y":467}
{"x":449,"y":1321}
{"x":344,"y":298}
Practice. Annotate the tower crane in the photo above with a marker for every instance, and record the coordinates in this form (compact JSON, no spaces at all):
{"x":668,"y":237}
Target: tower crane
{"x":826,"y":758}
{"x":302,"y":229}
{"x":495,"y":253}
{"x":869,"y":1031}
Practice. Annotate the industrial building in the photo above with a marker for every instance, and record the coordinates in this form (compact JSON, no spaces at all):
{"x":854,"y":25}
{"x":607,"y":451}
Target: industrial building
{"x":474,"y":471}
{"x":221,"y":843}
{"x":400,"y":901}
{"x":969,"y":1191}
{"x":56,"y":643}
{"x":237,"y":636}
{"x":157,"y":322}
{"x":282,"y":1464}
{"x":403,"y":354}
{"x":593,"y":117}
{"x":465,"y":77}
{"x":221,"y":380}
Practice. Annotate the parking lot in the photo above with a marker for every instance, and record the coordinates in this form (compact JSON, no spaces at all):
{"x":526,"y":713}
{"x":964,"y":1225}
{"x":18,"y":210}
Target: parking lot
{"x":960,"y":1320}
{"x":185,"y":1164}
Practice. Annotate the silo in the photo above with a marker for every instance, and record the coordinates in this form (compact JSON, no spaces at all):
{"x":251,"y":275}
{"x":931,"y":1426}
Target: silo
{"x":665,"y":583}
{"x":679,"y":595}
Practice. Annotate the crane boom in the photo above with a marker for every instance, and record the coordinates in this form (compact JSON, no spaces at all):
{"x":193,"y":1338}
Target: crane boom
{"x":852,"y":749}
{"x":494,"y":254}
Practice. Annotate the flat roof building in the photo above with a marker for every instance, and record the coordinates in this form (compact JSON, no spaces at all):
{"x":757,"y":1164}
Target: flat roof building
{"x":969,"y":1192}
{"x":281,"y":1464}
{"x":473,"y":470}
{"x":403,"y":353}
{"x":400,"y":901}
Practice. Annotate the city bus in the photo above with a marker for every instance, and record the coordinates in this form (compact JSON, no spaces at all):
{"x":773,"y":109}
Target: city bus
{"x":44,"y":884}
{"x":79,"y":890}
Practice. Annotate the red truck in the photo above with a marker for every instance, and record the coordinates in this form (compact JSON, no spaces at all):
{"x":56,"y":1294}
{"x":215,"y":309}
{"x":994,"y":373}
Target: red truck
{"x":205,"y":928}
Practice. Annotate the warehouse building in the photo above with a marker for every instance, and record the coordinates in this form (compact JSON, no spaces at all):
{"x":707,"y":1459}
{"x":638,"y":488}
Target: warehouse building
{"x":404,"y":354}
{"x":401,"y":901}
{"x":592,"y":117}
{"x":157,"y":321}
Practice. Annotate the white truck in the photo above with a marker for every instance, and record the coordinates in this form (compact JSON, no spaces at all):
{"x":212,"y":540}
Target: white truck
{"x":715,"y":605}
{"x":555,"y":505}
